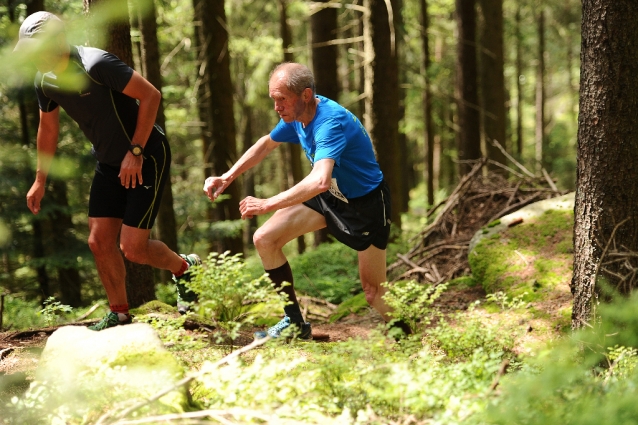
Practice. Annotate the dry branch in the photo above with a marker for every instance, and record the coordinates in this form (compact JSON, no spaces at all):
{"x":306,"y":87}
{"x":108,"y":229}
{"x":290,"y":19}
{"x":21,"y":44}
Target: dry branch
{"x":439,"y":251}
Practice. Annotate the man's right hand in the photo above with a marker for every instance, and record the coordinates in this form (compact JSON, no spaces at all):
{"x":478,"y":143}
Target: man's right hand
{"x":214,"y":186}
{"x":35,"y":195}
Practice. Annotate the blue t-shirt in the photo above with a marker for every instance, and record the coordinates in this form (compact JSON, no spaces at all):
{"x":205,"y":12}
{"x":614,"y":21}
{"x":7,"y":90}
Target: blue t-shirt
{"x":335,"y":133}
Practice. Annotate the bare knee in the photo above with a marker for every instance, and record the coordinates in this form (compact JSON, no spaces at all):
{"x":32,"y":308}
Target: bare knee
{"x":263,"y":241}
{"x":134,"y":254}
{"x":101,"y":246}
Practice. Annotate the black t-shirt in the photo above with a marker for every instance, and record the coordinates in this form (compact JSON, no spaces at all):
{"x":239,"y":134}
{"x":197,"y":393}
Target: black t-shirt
{"x":90,"y":91}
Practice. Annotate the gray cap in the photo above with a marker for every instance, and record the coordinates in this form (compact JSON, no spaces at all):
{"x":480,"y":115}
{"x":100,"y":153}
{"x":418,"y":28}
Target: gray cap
{"x":37,"y":25}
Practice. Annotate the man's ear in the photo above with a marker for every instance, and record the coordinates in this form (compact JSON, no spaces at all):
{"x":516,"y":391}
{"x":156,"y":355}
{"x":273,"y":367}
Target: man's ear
{"x":307,"y":95}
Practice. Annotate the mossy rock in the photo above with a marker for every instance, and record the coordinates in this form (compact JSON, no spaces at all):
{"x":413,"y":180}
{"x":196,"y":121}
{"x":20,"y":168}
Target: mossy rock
{"x":154,"y":306}
{"x":532,"y":258}
{"x":356,"y":305}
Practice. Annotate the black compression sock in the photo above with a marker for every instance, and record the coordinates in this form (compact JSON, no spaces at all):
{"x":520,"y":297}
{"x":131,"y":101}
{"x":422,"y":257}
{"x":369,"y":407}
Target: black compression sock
{"x":284,"y":274}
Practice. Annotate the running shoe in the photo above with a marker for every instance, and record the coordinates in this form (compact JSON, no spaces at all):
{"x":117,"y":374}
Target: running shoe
{"x":184,"y":295}
{"x":109,"y":321}
{"x":304,"y":330}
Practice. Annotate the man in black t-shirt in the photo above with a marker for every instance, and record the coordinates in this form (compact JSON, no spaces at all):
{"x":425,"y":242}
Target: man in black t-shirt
{"x":116,"y":109}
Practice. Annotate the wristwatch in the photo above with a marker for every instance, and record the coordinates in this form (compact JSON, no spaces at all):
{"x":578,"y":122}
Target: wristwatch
{"x":136,"y":150}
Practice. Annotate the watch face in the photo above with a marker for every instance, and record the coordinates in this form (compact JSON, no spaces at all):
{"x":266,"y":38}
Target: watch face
{"x":136,"y":150}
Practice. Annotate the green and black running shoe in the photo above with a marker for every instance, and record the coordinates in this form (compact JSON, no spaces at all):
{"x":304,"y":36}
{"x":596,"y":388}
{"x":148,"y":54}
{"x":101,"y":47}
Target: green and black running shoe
{"x":184,"y":295}
{"x":109,"y":321}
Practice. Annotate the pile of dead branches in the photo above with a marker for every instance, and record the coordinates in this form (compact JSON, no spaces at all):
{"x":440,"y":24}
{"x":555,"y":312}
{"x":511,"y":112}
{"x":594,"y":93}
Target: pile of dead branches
{"x":440,"y":251}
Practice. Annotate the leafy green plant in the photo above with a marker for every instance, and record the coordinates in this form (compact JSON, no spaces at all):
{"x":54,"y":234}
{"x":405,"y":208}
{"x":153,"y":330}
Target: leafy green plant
{"x":412,"y":301}
{"x":505,"y":302}
{"x":460,"y":335}
{"x":52,"y":309}
{"x":229,"y":297}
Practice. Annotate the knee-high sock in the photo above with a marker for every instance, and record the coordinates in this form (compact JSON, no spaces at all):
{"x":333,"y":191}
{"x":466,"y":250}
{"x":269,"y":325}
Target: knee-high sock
{"x":284,"y":274}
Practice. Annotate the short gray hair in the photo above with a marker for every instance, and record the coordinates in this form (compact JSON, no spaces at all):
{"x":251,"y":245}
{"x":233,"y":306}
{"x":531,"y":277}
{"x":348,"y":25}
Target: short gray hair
{"x":298,"y":77}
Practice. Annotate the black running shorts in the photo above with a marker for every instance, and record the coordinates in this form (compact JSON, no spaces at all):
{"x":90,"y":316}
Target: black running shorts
{"x":137,"y":207}
{"x":360,"y":222}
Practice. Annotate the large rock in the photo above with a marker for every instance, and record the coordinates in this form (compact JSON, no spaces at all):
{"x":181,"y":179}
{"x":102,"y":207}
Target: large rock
{"x":83,"y":373}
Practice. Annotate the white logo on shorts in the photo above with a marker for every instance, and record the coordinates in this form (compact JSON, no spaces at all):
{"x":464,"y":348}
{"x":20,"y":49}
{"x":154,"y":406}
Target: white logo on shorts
{"x":334,"y":190}
{"x":147,"y":187}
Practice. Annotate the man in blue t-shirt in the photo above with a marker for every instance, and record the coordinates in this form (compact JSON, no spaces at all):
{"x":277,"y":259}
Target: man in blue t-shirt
{"x":101,"y":93}
{"x":345,"y":191}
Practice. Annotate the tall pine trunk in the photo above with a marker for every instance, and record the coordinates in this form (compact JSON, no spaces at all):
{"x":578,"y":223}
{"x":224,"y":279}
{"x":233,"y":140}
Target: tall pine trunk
{"x":381,"y":116}
{"x":540,"y":92}
{"x":165,"y":223}
{"x":323,"y":24}
{"x":220,"y":146}
{"x":292,"y":153}
{"x":469,"y":138}
{"x":427,"y":105}
{"x":606,"y":209}
{"x":492,"y":79}
{"x":140,"y":282}
{"x":519,"y":83}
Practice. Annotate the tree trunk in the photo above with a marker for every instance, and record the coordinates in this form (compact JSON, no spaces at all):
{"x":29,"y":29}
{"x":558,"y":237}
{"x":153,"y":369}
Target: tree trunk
{"x":428,"y":177}
{"x":221,"y":149}
{"x":606,"y":210}
{"x":469,"y":140}
{"x":63,"y":243}
{"x":293,"y":151}
{"x":140,"y":282}
{"x":381,"y":116}
{"x":519,"y":84}
{"x":323,"y":25}
{"x":493,"y":80}
{"x":165,"y":223}
{"x":540,"y":92}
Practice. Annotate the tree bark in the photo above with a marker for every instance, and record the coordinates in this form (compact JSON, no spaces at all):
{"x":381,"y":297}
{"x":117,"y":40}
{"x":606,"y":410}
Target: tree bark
{"x":469,"y":140}
{"x":381,"y":117}
{"x":606,"y":210}
{"x":63,"y":243}
{"x":540,"y":93}
{"x":493,"y":80}
{"x":519,"y":83}
{"x":165,"y":223}
{"x":140,"y":282}
{"x":427,"y":105}
{"x":323,"y":26}
{"x":220,"y":147}
{"x":292,"y":152}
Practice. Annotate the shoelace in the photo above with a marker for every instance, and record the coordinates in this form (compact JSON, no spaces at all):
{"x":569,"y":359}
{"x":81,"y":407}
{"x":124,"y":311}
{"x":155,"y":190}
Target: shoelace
{"x":283,"y":324}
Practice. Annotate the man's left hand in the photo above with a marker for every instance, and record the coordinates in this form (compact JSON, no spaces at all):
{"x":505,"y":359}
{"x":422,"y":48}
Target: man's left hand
{"x":250,"y":207}
{"x":131,"y":170}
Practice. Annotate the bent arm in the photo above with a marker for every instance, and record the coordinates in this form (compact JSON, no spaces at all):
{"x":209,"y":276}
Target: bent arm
{"x":150,"y":98}
{"x":47,"y":142}
{"x":313,"y":184}
{"x":253,"y":156}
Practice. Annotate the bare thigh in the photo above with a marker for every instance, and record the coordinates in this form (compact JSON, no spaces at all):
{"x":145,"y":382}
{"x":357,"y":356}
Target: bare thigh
{"x":285,"y":225}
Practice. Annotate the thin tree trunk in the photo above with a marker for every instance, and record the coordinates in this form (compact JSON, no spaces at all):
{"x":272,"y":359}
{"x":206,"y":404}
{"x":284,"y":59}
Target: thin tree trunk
{"x":493,"y":80}
{"x":469,"y":141}
{"x":323,"y":26}
{"x":165,"y":223}
{"x":428,"y":177}
{"x":63,"y":241}
{"x":519,"y":84}
{"x":540,"y":92}
{"x":606,"y":210}
{"x":218,"y":94}
{"x":381,"y":116}
{"x":293,"y":151}
{"x":140,"y":282}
